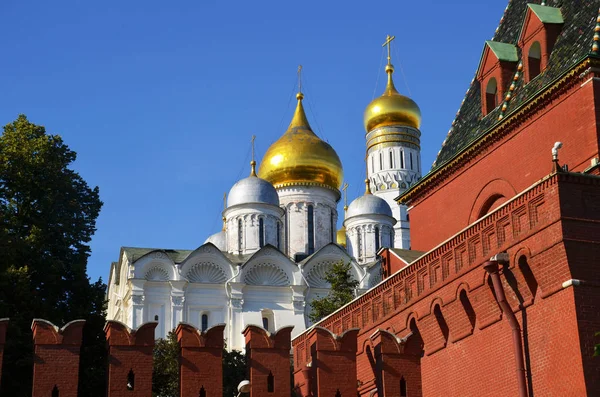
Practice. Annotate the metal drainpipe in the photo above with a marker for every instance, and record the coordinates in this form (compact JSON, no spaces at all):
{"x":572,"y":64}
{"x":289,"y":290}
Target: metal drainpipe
{"x":492,"y":268}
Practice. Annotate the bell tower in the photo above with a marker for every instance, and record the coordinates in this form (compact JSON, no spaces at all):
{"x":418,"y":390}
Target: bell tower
{"x":393,"y":155}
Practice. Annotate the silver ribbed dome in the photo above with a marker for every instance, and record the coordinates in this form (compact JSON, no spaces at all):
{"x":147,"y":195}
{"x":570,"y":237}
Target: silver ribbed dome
{"x":218,"y":239}
{"x":252,"y":190}
{"x":369,"y":204}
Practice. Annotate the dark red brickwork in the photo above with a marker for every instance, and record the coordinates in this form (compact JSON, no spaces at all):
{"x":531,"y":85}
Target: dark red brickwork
{"x":3,"y":328}
{"x":333,"y":360}
{"x":551,"y":233}
{"x":397,"y":364}
{"x":269,"y":361}
{"x":129,"y":359}
{"x":200,"y":363}
{"x":56,"y":358}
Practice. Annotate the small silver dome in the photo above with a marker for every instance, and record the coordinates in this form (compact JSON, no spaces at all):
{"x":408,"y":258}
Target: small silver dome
{"x":218,"y":239}
{"x":252,"y":190}
{"x":369,"y":204}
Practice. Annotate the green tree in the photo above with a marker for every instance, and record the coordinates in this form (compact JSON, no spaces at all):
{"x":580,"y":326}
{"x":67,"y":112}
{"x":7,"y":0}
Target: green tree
{"x":597,"y":347}
{"x":47,"y":218}
{"x":235,"y":370}
{"x":165,"y":373}
{"x":341,"y":292}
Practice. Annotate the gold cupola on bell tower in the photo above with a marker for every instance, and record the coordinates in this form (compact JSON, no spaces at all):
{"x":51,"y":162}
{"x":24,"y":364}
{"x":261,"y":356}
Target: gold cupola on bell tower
{"x":392,"y":108}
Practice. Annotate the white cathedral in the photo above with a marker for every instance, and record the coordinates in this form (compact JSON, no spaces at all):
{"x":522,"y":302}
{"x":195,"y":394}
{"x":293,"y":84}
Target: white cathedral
{"x":279,"y":235}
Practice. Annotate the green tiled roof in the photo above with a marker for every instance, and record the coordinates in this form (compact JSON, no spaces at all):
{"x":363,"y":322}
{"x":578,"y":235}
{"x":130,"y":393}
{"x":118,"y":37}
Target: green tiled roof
{"x":547,"y":14}
{"x":408,"y":256}
{"x":572,"y":46}
{"x":177,"y":256}
{"x":503,"y":51}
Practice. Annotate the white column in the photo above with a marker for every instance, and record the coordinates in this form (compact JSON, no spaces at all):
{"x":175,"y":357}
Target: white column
{"x":137,"y":311}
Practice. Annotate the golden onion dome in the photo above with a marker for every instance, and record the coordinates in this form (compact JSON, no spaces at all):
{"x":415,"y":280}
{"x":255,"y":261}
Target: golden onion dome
{"x":340,"y":236}
{"x":392,"y":108}
{"x":300,"y":157}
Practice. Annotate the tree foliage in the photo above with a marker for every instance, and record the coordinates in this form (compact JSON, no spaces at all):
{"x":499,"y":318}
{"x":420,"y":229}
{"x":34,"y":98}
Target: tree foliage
{"x":165,"y":374}
{"x":235,"y":370}
{"x":342,"y":290}
{"x":47,"y":218}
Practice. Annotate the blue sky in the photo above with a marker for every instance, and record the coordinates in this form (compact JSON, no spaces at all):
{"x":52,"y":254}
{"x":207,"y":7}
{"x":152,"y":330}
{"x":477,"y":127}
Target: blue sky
{"x":160,"y":98}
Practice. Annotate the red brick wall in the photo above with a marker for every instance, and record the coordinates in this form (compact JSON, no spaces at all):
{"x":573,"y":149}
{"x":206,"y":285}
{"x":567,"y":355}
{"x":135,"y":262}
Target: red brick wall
{"x":519,"y":160}
{"x":542,"y":231}
{"x":56,"y":358}
{"x":332,"y":366}
{"x":268,"y":356}
{"x":200,"y":362}
{"x":3,"y":328}
{"x":129,"y":350}
{"x":397,"y":363}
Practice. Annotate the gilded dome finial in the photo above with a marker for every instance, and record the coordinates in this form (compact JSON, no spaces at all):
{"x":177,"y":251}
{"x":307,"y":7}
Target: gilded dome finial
{"x":299,"y":119}
{"x":391,"y":108}
{"x":367,"y":186}
{"x":345,"y":190}
{"x":390,"y":89}
{"x":253,"y":163}
{"x":300,"y":157}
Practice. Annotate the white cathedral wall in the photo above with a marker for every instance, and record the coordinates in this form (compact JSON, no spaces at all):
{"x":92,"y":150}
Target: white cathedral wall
{"x":364,"y":248}
{"x":250,"y":215}
{"x":268,"y":284}
{"x":295,"y":201}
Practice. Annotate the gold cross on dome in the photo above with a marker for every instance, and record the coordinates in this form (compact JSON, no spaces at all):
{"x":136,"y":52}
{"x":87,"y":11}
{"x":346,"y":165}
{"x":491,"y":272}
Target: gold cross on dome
{"x":388,"y":43}
{"x":253,"y":138}
{"x":299,"y":78}
{"x":345,"y":188}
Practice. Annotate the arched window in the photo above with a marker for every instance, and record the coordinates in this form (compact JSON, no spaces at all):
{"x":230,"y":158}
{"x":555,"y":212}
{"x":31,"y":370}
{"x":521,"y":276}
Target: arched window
{"x":261,"y":232}
{"x":464,"y":300}
{"x":278,"y":236}
{"x":403,"y":387}
{"x":267,"y":320}
{"x":311,"y":229}
{"x":55,"y":392}
{"x":156,"y":318}
{"x":534,"y":60}
{"x":377,"y":239}
{"x":441,"y":322}
{"x":358,"y":243}
{"x":270,"y":383}
{"x":491,"y":95}
{"x":204,"y":325}
{"x":530,"y":279}
{"x":380,"y":161}
{"x":333,"y":231}
{"x":391,"y":159}
{"x":131,"y":380}
{"x":401,"y":158}
{"x":411,"y":162}
{"x":202,"y":392}
{"x":373,"y":163}
{"x":240,"y":235}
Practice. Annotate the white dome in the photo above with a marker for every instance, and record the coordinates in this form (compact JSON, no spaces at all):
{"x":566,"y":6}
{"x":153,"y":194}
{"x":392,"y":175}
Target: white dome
{"x":369,"y":204}
{"x":218,"y":239}
{"x":252,"y":190}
